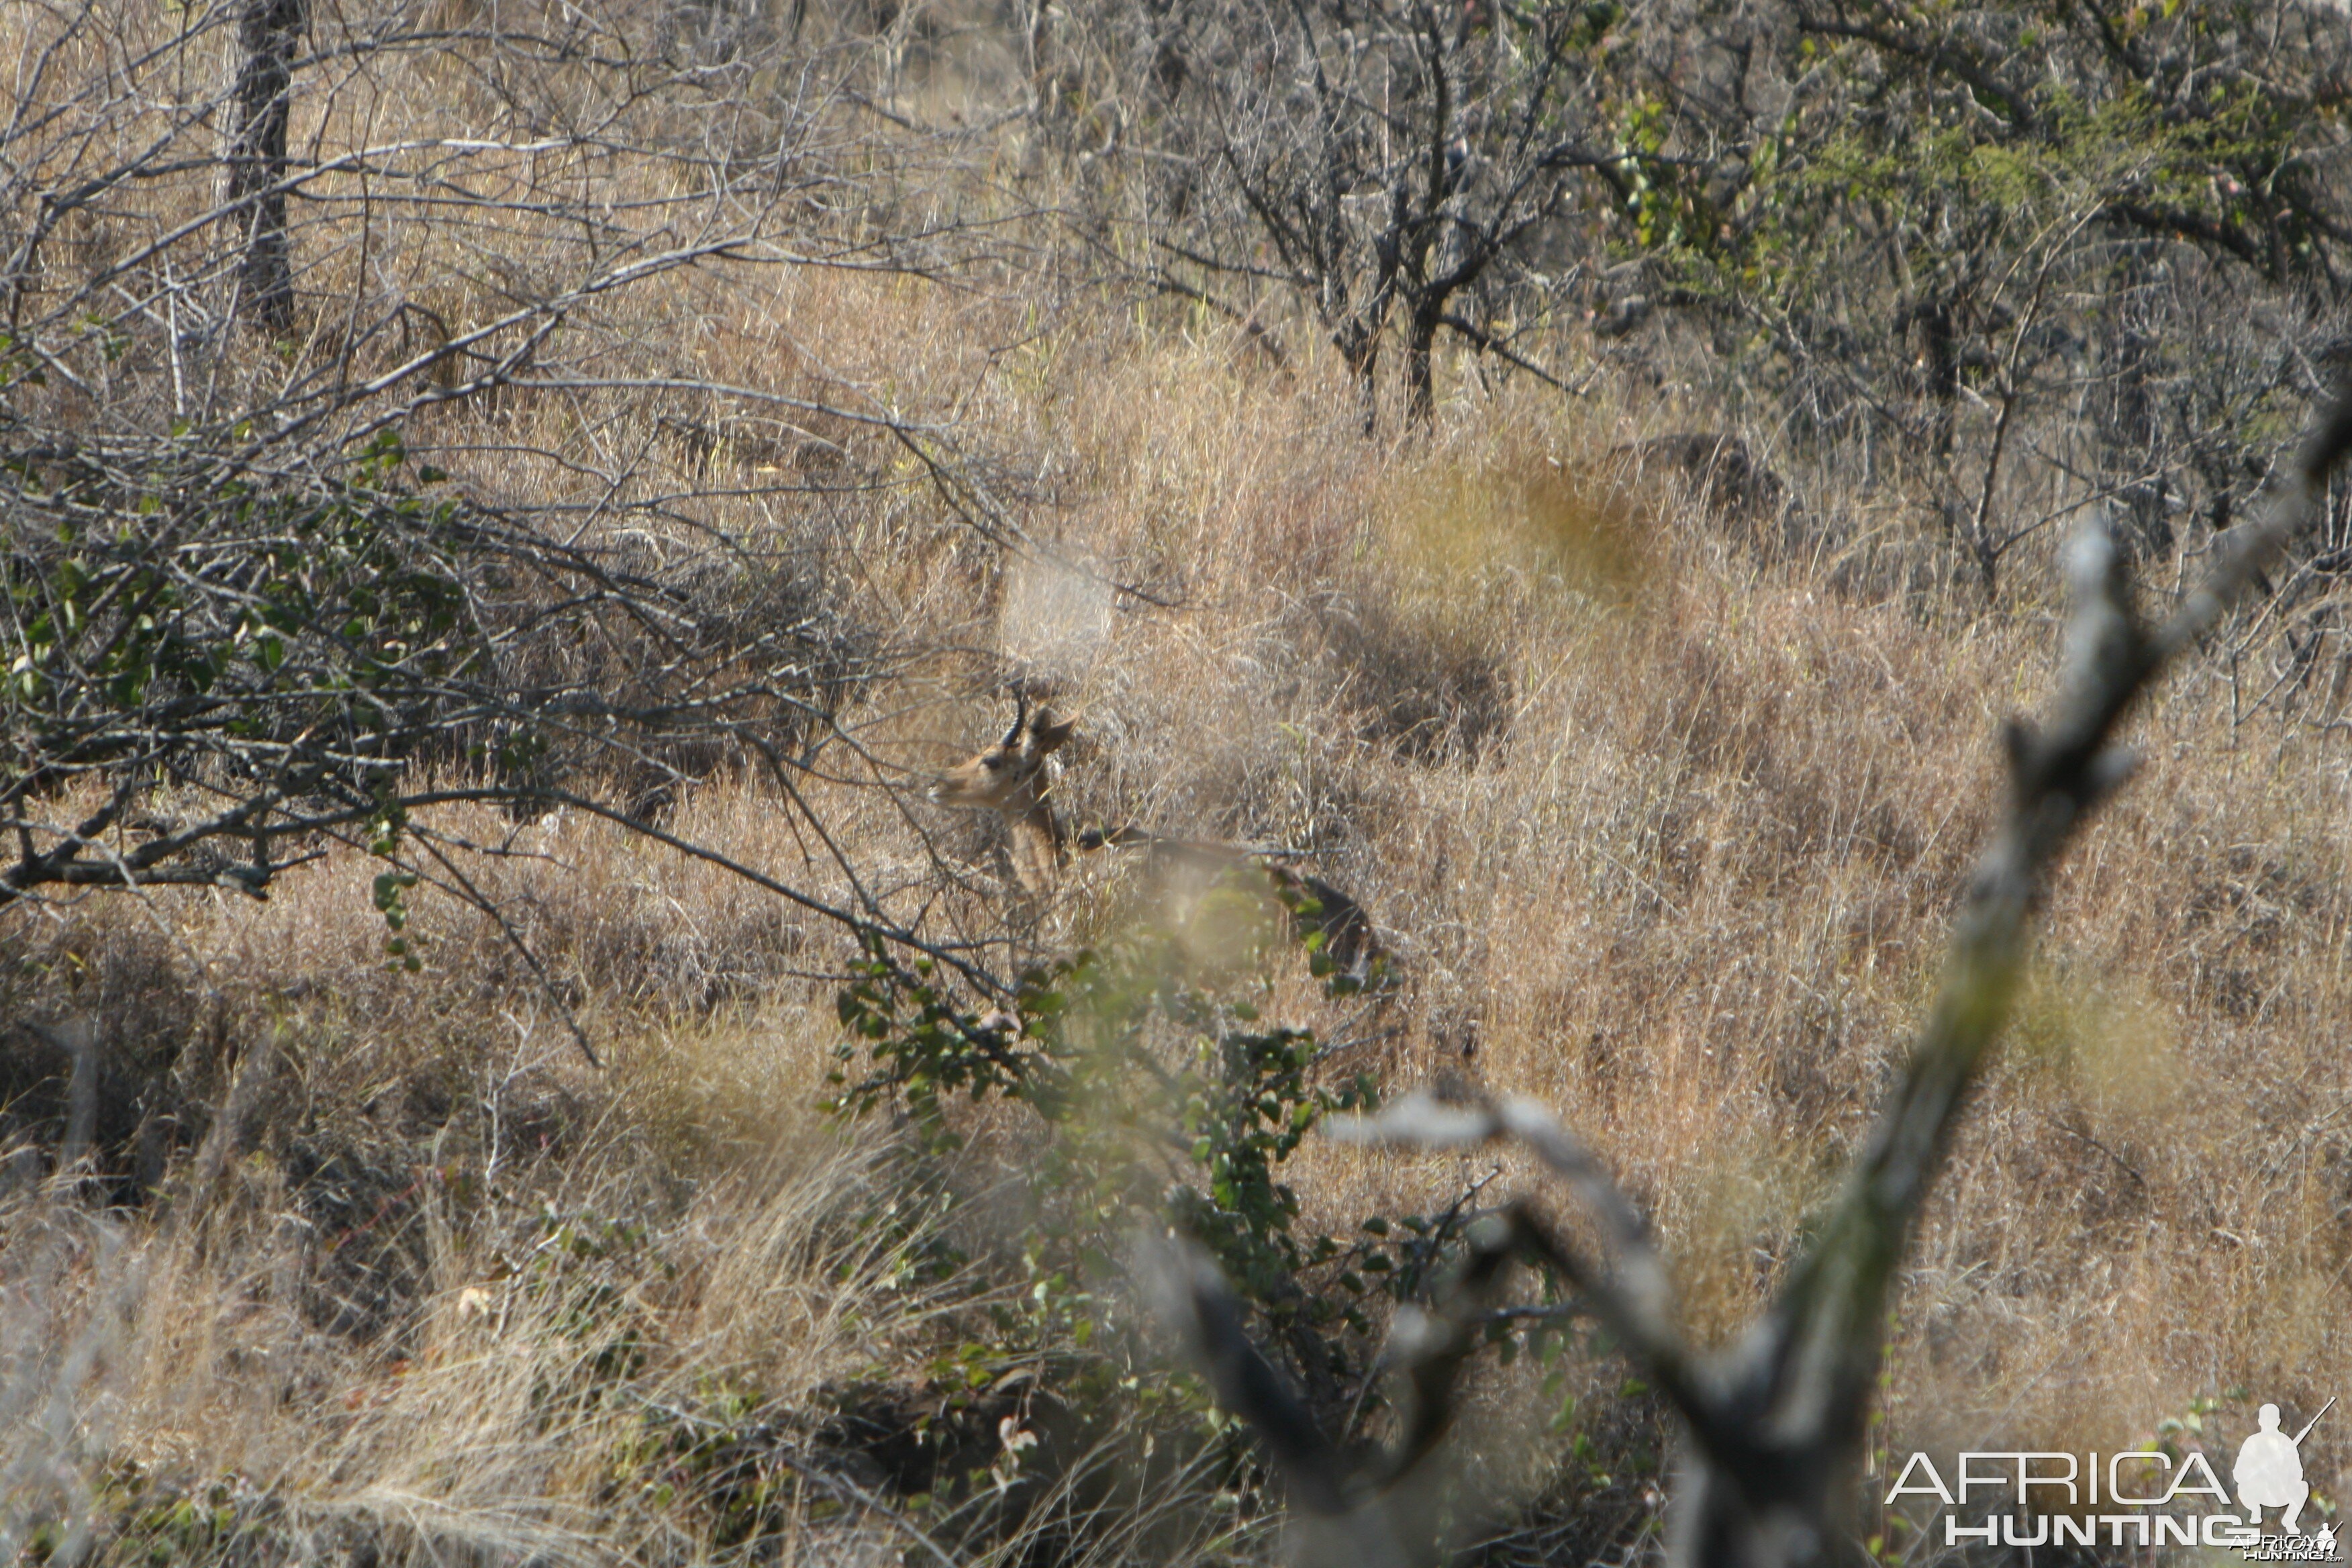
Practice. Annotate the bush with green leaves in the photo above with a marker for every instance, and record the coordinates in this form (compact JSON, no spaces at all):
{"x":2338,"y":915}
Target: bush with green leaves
{"x":236,"y":667}
{"x":1140,"y":1095}
{"x":1163,"y":1100}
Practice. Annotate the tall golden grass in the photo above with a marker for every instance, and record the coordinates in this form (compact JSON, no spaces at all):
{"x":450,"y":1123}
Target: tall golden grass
{"x":1660,"y":832}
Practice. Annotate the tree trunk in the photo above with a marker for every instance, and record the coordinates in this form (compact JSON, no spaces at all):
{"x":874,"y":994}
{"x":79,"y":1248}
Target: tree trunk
{"x":1972,"y":535}
{"x":1360,"y":346}
{"x":1943,"y":356}
{"x":1420,"y":380}
{"x":267,"y":37}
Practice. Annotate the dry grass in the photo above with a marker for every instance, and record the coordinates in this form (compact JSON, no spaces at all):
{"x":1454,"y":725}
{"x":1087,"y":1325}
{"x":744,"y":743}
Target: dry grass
{"x":1661,"y":834}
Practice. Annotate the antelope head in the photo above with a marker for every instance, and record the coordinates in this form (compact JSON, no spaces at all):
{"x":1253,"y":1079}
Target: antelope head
{"x":1011,"y":779}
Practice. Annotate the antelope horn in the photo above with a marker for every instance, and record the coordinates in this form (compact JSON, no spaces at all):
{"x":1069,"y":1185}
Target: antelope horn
{"x":1020,"y":717}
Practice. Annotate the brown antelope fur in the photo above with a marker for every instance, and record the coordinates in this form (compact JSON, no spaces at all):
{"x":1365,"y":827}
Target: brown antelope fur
{"x":1011,"y":778}
{"x":1315,"y":905}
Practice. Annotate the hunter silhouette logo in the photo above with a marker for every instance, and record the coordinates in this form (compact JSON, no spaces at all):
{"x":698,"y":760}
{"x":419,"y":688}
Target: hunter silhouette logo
{"x":2269,"y":1474}
{"x":2269,"y":1471}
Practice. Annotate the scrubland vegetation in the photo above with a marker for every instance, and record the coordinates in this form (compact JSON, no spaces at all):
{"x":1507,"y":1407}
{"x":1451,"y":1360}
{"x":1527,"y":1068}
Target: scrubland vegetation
{"x":504,"y":1064}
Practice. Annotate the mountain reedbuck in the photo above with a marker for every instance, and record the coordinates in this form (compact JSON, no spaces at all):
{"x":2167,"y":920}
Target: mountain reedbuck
{"x":1012,"y":778}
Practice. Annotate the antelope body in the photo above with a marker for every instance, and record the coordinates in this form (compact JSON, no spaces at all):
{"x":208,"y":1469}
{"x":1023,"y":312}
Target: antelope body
{"x":1012,"y":778}
{"x":1314,"y":905}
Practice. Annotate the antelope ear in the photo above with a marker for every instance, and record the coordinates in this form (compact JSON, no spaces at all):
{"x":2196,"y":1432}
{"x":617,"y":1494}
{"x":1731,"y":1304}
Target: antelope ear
{"x":1044,"y":735}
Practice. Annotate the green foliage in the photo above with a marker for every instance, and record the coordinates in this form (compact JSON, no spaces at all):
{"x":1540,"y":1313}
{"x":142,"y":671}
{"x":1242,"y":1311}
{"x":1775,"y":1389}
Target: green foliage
{"x":583,"y":1274}
{"x":236,"y":660}
{"x":1140,"y":1095}
{"x":720,"y":1455}
{"x":267,"y":655}
{"x":399,"y":948}
{"x":270,"y":611}
{"x":1163,"y":1100}
{"x":1955,"y":132}
{"x":143,"y":1515}
{"x":1920,"y":219}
